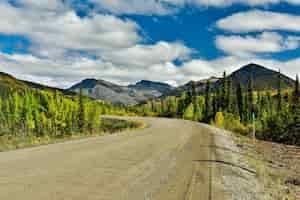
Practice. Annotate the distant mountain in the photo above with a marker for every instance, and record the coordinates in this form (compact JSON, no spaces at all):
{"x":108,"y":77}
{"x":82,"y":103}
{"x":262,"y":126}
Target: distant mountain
{"x":8,"y":81}
{"x":117,"y":94}
{"x":200,"y":86}
{"x":151,"y":85}
{"x":263,"y":79}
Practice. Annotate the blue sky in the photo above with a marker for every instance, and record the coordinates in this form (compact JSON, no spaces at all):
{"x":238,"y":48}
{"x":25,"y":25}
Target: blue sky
{"x":60,"y":42}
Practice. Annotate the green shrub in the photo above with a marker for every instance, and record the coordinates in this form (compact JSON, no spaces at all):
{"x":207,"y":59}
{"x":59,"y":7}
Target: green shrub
{"x":189,"y":112}
{"x":219,"y":120}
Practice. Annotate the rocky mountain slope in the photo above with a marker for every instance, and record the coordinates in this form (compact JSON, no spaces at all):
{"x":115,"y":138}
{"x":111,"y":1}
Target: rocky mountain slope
{"x":263,"y":79}
{"x":117,"y":94}
{"x":8,"y":82}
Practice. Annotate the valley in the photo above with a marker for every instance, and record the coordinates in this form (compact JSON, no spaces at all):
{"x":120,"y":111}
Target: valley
{"x":175,"y":153}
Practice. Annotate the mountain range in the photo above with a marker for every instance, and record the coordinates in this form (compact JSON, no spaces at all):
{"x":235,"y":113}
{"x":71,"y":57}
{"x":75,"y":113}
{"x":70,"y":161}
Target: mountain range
{"x":263,"y":78}
{"x":117,"y":94}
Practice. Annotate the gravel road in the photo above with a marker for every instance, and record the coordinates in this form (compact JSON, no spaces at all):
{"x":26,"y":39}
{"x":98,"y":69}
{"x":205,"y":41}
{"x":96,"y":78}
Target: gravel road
{"x":170,"y":159}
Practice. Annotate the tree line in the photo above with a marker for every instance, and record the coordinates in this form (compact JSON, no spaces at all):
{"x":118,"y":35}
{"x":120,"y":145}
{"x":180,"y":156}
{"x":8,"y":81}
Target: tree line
{"x":39,"y":113}
{"x":274,"y":113}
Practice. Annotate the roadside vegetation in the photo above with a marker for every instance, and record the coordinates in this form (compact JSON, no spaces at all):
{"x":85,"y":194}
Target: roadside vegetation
{"x":33,"y":117}
{"x":275,"y":114}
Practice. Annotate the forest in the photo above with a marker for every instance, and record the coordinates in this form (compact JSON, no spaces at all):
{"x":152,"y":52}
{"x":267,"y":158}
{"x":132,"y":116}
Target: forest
{"x":31,"y":116}
{"x":274,"y":114}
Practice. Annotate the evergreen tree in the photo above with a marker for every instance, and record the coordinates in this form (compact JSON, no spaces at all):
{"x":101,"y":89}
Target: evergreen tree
{"x":198,"y":109}
{"x":189,"y":112}
{"x":182,"y":103}
{"x":250,"y":101}
{"x":224,"y":97}
{"x":279,"y":93}
{"x":296,"y":93}
{"x":208,"y":103}
{"x":240,"y":101}
{"x":230,"y":103}
{"x":81,"y":112}
{"x":194,"y":95}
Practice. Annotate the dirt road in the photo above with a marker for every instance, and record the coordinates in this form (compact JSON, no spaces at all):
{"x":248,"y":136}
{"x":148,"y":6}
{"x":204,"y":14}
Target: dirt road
{"x":171,"y":159}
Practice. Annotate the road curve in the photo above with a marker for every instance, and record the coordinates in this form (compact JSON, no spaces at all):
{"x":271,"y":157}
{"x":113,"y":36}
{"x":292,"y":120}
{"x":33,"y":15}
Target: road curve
{"x":162,"y":161}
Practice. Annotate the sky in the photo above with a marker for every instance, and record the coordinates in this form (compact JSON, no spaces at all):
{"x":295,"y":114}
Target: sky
{"x":61,"y":42}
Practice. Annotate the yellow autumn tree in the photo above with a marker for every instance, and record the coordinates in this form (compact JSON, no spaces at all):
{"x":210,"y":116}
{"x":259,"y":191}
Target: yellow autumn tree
{"x":219,"y":120}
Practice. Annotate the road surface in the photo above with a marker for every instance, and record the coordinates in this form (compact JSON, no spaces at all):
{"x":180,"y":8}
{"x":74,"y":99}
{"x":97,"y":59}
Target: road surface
{"x":168,"y":160}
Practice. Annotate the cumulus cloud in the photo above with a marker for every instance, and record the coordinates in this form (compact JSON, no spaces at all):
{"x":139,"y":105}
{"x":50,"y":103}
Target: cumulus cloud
{"x":67,"y":48}
{"x":53,"y":5}
{"x":64,"y":73}
{"x":223,"y":3}
{"x":258,"y":20}
{"x":165,"y":7}
{"x":267,"y":42}
{"x":147,"y":55}
{"x":148,"y":7}
{"x":58,"y":32}
{"x":229,"y":64}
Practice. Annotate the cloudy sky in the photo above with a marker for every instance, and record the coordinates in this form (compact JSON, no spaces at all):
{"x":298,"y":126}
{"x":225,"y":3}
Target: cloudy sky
{"x":60,"y":42}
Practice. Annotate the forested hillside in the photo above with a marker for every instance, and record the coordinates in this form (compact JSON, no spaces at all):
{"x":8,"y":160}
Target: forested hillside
{"x":275,"y":114}
{"x":28,"y":114}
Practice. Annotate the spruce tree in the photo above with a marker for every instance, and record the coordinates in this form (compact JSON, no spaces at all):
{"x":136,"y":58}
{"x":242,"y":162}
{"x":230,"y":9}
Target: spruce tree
{"x":279,"y":93}
{"x":240,"y":101}
{"x":81,"y":112}
{"x":189,"y":112}
{"x":230,"y":106}
{"x":224,"y":97}
{"x":194,"y":95}
{"x":208,"y":103}
{"x":182,"y":104}
{"x":250,"y":100}
{"x":296,"y":93}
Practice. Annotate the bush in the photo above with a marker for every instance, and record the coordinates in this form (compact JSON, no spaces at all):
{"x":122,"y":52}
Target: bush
{"x":234,"y":124}
{"x":219,"y":120}
{"x":189,"y":112}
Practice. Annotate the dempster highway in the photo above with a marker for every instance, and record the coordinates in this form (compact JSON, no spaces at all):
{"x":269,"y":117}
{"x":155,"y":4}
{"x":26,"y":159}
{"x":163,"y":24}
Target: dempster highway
{"x":170,"y":159}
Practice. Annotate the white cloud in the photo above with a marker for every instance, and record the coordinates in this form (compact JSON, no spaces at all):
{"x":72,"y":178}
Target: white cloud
{"x":257,"y":20}
{"x":165,"y":7}
{"x":64,"y":73}
{"x":148,"y":7}
{"x":117,"y":53}
{"x":111,"y":47}
{"x":59,"y":32}
{"x":147,"y":55}
{"x":267,"y":42}
{"x":224,"y":3}
{"x":231,"y":63}
{"x":52,"y":5}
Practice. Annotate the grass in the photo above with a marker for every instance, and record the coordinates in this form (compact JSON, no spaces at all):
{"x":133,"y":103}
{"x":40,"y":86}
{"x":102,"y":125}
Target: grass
{"x":108,"y":126}
{"x":116,"y":125}
{"x":272,"y":178}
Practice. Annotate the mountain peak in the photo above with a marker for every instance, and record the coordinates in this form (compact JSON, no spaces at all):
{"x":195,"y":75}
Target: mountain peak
{"x":118,"y":94}
{"x":253,"y":67}
{"x":151,"y":83}
{"x":263,"y":78}
{"x":3,"y":74}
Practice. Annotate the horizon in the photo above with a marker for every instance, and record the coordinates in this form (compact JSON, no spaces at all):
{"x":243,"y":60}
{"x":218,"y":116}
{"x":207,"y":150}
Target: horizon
{"x":165,"y":41}
{"x":153,"y":81}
